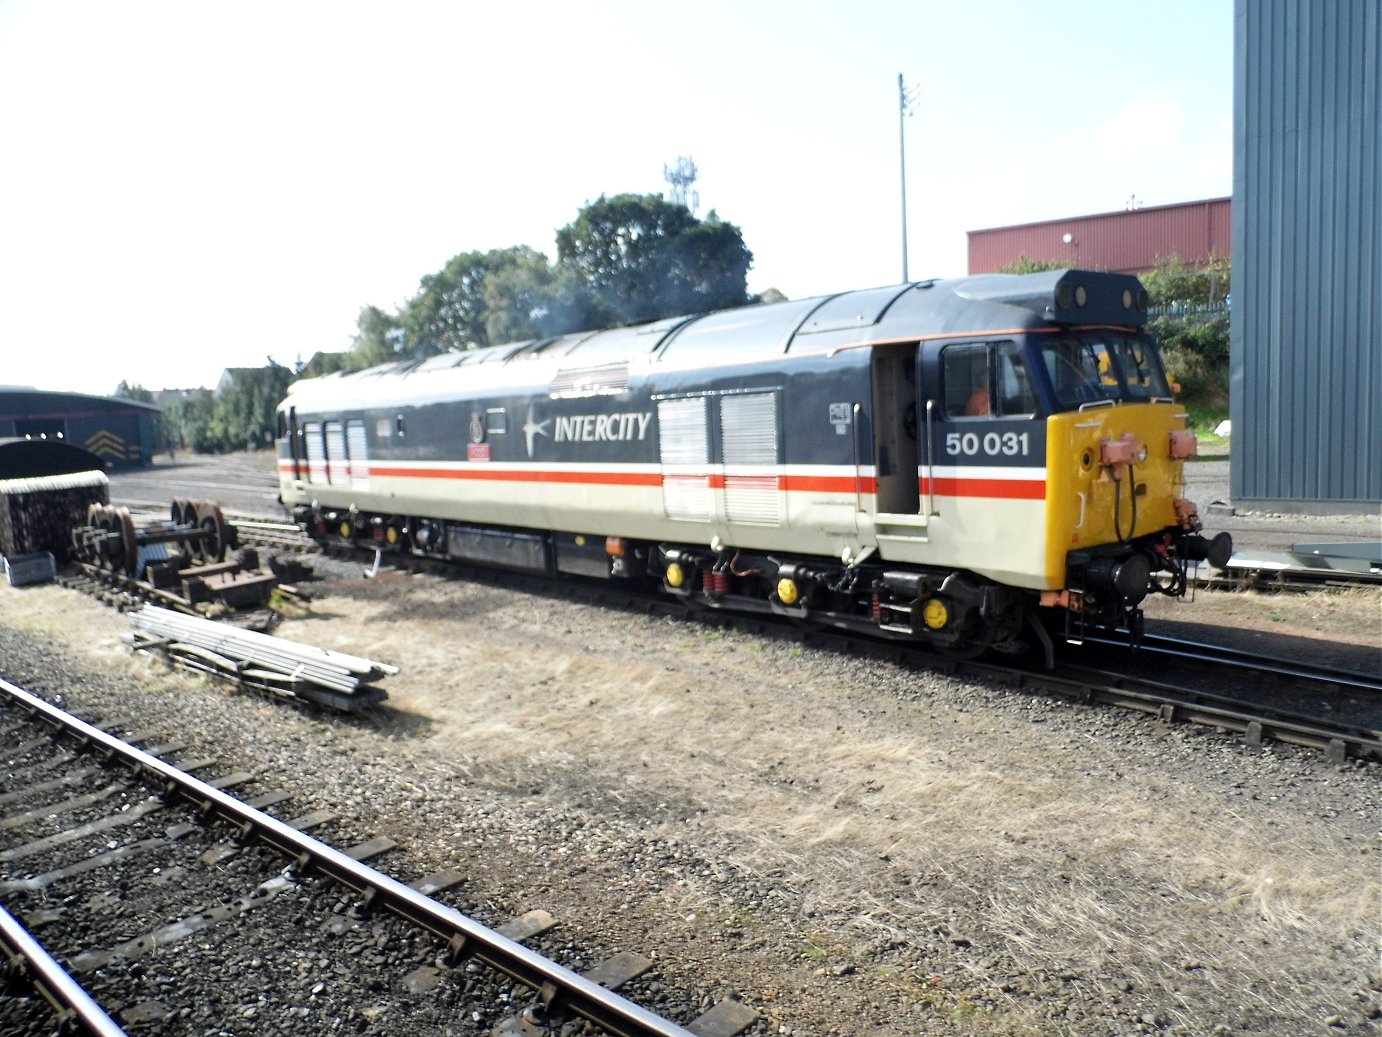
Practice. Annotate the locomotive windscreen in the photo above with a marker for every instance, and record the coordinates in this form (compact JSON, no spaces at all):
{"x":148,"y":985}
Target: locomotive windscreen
{"x":1090,"y":368}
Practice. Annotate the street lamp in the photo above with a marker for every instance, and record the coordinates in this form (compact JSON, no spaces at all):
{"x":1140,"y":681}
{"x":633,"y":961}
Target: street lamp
{"x":907,"y":101}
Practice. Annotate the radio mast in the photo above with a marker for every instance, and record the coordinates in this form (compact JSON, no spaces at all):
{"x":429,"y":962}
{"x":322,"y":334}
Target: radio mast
{"x":681,"y":177}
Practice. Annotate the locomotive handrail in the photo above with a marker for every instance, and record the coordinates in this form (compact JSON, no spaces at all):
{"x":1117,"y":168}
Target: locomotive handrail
{"x":858,"y":463}
{"x":930,"y":458}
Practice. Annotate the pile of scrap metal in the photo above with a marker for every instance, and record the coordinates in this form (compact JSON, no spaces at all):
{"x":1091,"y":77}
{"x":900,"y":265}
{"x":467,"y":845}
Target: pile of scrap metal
{"x":272,"y":664}
{"x":182,"y":562}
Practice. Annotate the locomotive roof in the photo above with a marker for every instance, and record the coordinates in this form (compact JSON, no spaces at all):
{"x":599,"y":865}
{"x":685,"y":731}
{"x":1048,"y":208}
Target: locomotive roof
{"x":977,"y":305}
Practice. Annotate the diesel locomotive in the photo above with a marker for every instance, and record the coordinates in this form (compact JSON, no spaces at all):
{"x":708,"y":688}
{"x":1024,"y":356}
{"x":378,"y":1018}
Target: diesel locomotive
{"x":972,"y":463}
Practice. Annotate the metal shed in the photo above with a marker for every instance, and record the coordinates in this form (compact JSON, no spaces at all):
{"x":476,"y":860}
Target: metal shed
{"x":118,"y":431}
{"x":1306,"y":397}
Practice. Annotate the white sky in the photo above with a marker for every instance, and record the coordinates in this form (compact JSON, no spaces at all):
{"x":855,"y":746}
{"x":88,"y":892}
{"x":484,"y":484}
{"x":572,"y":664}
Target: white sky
{"x":189,"y":186}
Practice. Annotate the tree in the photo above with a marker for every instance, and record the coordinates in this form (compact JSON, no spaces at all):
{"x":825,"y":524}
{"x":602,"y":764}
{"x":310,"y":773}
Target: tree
{"x":640,"y":258}
{"x":1190,"y":316}
{"x":245,"y":411}
{"x":190,"y":422}
{"x":1173,"y":284}
{"x":1023,"y":265}
{"x":623,"y":260}
{"x":528,"y":299}
{"x":451,"y":310}
{"x":378,"y":338}
{"x":242,"y":417}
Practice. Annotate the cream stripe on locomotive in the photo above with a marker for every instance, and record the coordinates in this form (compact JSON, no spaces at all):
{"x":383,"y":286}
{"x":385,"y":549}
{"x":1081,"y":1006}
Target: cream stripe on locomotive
{"x":822,"y":504}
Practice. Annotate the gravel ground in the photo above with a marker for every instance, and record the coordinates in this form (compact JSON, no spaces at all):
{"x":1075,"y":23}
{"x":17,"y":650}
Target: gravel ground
{"x":849,"y":846}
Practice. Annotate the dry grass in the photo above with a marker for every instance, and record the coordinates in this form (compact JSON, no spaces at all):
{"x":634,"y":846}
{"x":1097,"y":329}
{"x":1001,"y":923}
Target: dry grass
{"x":1344,"y":613}
{"x":871,"y":819}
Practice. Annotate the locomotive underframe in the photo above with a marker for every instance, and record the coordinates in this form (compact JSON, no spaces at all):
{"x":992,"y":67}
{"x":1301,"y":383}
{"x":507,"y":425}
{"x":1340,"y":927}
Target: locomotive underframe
{"x":953,"y":610}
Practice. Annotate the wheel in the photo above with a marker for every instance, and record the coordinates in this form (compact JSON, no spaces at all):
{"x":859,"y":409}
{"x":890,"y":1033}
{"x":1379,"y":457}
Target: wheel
{"x":129,"y":541}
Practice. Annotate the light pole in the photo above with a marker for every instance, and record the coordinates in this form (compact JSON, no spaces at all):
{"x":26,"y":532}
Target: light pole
{"x":906,"y":105}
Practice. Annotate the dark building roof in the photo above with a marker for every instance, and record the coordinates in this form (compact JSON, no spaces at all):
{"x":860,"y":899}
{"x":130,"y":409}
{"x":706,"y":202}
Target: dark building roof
{"x":1129,"y":242}
{"x":20,"y":402}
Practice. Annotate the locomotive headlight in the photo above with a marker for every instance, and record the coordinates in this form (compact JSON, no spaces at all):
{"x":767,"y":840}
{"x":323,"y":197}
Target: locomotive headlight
{"x":787,"y":591}
{"x":1142,"y":454}
{"x":935,"y":614}
{"x":676,"y":575}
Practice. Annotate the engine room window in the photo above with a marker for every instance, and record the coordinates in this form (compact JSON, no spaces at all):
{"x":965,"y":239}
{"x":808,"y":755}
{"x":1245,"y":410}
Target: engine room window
{"x":495,"y":420}
{"x":316,"y":452}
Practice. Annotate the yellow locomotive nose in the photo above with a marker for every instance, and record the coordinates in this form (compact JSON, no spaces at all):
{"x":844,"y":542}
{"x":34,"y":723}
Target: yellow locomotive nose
{"x":1114,"y":476}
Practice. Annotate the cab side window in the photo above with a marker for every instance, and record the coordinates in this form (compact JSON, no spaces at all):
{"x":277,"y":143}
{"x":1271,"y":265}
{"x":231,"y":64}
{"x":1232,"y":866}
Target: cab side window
{"x":1016,"y":397}
{"x":987,"y":379}
{"x":966,"y":372}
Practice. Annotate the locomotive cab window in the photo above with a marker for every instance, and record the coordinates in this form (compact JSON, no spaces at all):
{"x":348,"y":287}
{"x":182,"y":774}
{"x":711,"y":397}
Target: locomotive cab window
{"x":1104,"y":369}
{"x":987,"y":380}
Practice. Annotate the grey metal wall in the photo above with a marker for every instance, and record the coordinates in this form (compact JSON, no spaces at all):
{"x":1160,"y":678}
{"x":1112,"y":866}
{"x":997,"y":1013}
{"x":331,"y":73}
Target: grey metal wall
{"x":1307,"y":255}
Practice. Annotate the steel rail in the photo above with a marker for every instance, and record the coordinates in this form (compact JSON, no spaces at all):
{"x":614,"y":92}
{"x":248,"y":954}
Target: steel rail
{"x":1174,"y":703}
{"x":555,"y":984}
{"x":74,"y":1006}
{"x":1223,"y":655}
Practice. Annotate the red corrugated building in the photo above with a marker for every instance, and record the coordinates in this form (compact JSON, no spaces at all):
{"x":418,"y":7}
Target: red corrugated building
{"x":1129,"y":242}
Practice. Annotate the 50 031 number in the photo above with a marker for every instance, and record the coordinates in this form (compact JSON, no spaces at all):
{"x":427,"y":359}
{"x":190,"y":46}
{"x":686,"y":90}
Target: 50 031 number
{"x":971,"y":444}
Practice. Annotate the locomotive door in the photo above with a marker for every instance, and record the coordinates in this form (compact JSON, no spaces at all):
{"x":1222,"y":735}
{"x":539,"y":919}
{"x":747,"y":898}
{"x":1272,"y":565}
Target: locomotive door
{"x":895,"y":457}
{"x":295,"y":445}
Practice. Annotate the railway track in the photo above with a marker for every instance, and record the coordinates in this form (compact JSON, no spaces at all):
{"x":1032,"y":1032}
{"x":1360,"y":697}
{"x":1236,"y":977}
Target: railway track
{"x":1280,"y":700}
{"x":150,"y":893}
{"x":1260,"y":699}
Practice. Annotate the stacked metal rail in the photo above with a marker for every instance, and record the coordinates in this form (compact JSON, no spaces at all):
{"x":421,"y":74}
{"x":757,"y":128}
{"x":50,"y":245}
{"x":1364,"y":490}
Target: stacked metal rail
{"x":344,"y":682}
